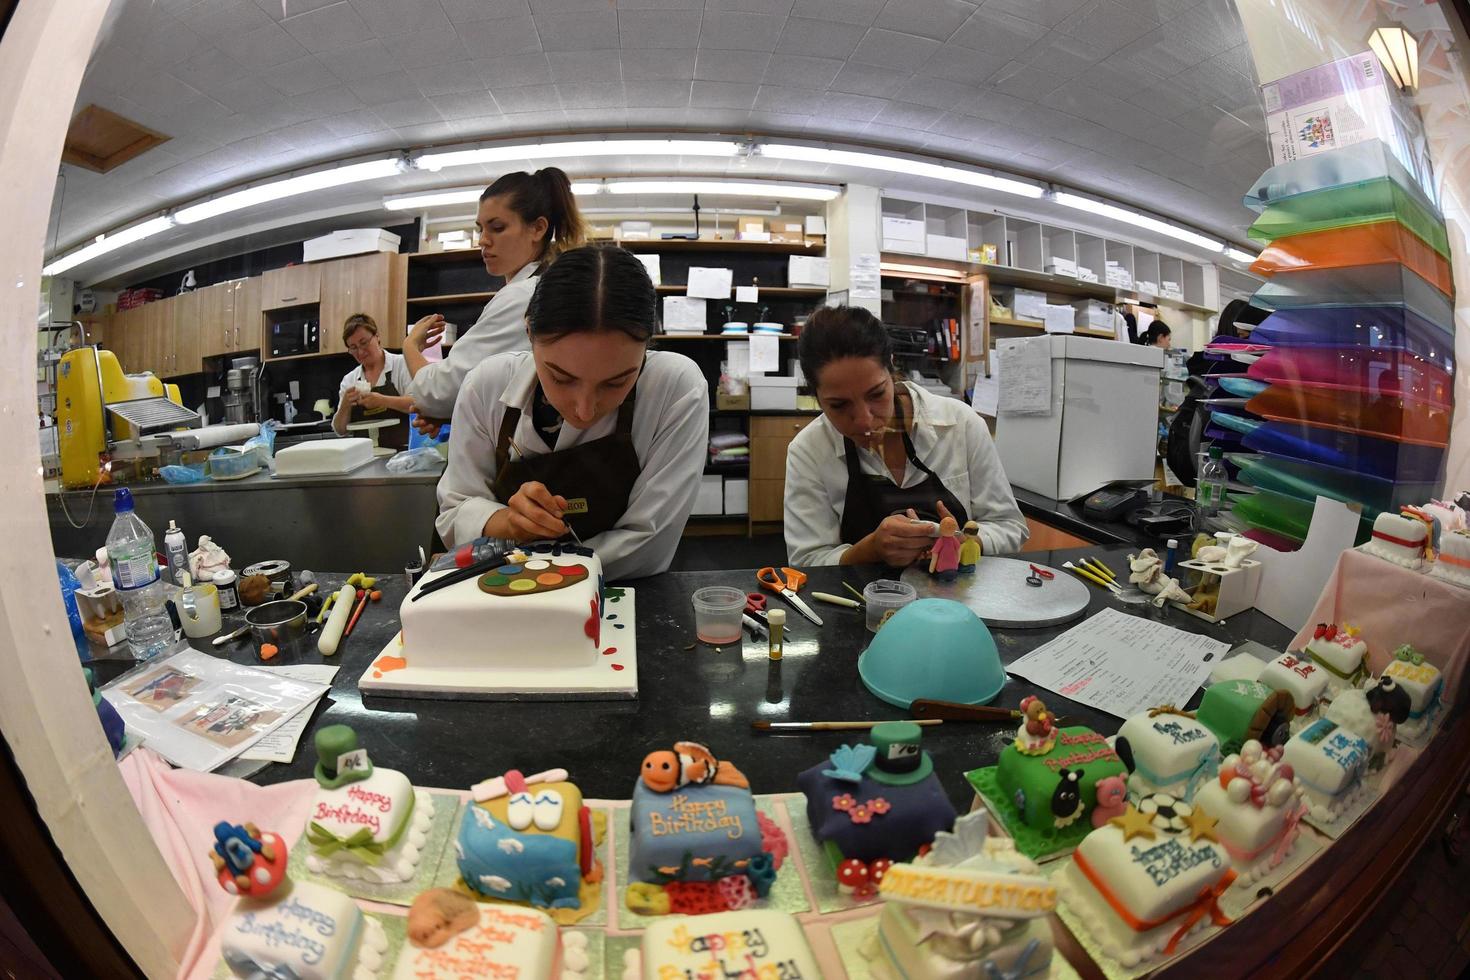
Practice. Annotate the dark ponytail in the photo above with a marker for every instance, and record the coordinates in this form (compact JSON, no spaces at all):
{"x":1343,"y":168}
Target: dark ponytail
{"x":545,"y":194}
{"x":1156,"y":330}
{"x":834,"y":332}
{"x":590,"y":289}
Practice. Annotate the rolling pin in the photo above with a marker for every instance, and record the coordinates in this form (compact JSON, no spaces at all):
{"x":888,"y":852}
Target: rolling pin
{"x":332,"y":632}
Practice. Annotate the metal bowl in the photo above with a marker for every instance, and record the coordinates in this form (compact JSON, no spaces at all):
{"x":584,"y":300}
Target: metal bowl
{"x":282,"y":623}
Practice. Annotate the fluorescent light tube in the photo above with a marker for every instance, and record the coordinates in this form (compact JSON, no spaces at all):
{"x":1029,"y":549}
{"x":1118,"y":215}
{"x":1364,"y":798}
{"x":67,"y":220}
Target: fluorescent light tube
{"x":755,"y":188}
{"x":1138,"y":220}
{"x":461,"y":195}
{"x":919,"y":270}
{"x":108,"y":243}
{"x":900,"y":165}
{"x":289,"y":187}
{"x":576,"y":148}
{"x":1236,"y":255}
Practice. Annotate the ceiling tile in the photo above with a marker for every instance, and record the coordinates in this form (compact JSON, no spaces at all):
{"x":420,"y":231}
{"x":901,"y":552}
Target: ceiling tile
{"x":656,"y":93}
{"x":860,"y":12}
{"x":390,"y":18}
{"x":480,"y":127}
{"x":658,"y":28}
{"x":431,"y":46}
{"x":861,"y":108}
{"x":660,"y":5}
{"x":591,"y":95}
{"x":960,"y":64}
{"x":1024,"y":81}
{"x":539,"y":7}
{"x":212,"y":19}
{"x":869,"y":80}
{"x":722,"y":95}
{"x":538,"y":119}
{"x":998,"y":108}
{"x":585,"y":66}
{"x":935,"y":92}
{"x":527,"y":98}
{"x":383,"y":89}
{"x":585,"y":31}
{"x":329,"y":28}
{"x":996,"y":31}
{"x":323,"y":102}
{"x":262,"y":48}
{"x":248,"y":95}
{"x":908,"y":115}
{"x":819,"y":39}
{"x":515,"y":69}
{"x":359,"y":61}
{"x":1047,"y":13}
{"x":891,"y":49}
{"x":790,"y":69}
{"x":301,"y":76}
{"x":783,"y":98}
{"x":1164,"y":99}
{"x":281,"y":9}
{"x":778,"y":8}
{"x":355,"y":123}
{"x":470,"y":11}
{"x":937,"y":19}
{"x":311,"y":131}
{"x":730,"y":66}
{"x":1162,"y":54}
{"x":421,"y":133}
{"x":776,"y":122}
{"x":734,"y":31}
{"x":463,"y":105}
{"x":408,"y":112}
{"x":658,"y":64}
{"x":1106,"y":26}
{"x":505,"y":35}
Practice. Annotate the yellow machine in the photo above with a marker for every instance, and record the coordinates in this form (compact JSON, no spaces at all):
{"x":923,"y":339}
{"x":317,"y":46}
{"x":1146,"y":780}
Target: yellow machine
{"x":88,"y":380}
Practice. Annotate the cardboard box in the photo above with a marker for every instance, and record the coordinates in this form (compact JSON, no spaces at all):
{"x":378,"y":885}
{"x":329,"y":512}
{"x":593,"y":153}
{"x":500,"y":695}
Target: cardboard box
{"x":808,"y":270}
{"x":752,"y":230}
{"x":350,"y":241}
{"x":737,"y":496}
{"x":903,"y":235}
{"x":1060,"y":319}
{"x":772,"y":393}
{"x":636,"y":231}
{"x":732,"y":403}
{"x":986,"y":253}
{"x":785,"y":230}
{"x":602,"y":233}
{"x":1093,"y":314}
{"x":1058,"y":266}
{"x":815,"y":224}
{"x":946,"y":247}
{"x":710,"y":497}
{"x":1029,"y":305}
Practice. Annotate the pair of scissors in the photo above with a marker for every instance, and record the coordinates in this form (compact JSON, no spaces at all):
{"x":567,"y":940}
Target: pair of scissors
{"x":755,"y":613}
{"x":786,"y":582}
{"x":1039,"y":575}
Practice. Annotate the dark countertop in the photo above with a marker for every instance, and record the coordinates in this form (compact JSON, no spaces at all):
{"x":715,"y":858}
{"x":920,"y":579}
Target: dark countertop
{"x":687,"y":691}
{"x":1069,"y":517}
{"x":374,"y":473}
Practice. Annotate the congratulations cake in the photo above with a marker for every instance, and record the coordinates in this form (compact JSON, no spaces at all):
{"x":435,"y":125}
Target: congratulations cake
{"x":530,"y":622}
{"x":876,"y":803}
{"x":1453,"y":561}
{"x":697,"y":843}
{"x":971,"y":907}
{"x":1237,"y":711}
{"x":1341,"y":652}
{"x":364,"y":822}
{"x":530,"y":839}
{"x":1298,"y":676}
{"x":749,"y":943}
{"x":1140,"y":884}
{"x":281,"y":928}
{"x":1258,"y":808}
{"x":1423,"y":683}
{"x":451,"y":937}
{"x":1045,"y":784}
{"x":1167,"y":751}
{"x":1398,"y":539}
{"x":1329,"y":762}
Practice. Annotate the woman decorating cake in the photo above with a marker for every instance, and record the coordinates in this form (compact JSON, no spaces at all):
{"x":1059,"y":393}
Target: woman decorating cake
{"x":871,"y":479}
{"x":376,"y":388}
{"x":525,"y":221}
{"x":588,"y":430}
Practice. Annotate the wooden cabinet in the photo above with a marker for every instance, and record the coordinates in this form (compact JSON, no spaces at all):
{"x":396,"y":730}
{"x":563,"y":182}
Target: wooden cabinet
{"x":769,"y":437}
{"x":248,"y":328}
{"x":157,"y":321}
{"x":186,"y":357}
{"x":375,"y":284}
{"x":295,"y":285}
{"x":126,"y":339}
{"x":216,"y":319}
{"x":99,"y":330}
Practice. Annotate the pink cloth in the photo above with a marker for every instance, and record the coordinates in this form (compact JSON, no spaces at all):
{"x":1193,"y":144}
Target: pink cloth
{"x":1391,"y":606}
{"x":181,"y":808}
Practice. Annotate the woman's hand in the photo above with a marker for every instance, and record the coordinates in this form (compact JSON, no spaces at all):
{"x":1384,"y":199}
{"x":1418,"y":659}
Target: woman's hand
{"x":897,"y":541}
{"x":352,"y":398}
{"x":426,"y":332}
{"x":533,"y":513}
{"x":427,"y":427}
{"x":371,"y":400}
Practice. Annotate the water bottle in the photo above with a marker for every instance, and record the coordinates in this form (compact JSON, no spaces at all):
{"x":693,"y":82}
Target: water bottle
{"x":176,"y":550}
{"x":135,"y":573}
{"x":1209,"y":495}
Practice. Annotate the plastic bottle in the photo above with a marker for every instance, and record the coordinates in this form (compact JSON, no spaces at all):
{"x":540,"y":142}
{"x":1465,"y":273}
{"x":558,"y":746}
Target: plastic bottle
{"x":176,"y":550}
{"x":1171,"y":554}
{"x":1209,"y":495}
{"x":135,"y":573}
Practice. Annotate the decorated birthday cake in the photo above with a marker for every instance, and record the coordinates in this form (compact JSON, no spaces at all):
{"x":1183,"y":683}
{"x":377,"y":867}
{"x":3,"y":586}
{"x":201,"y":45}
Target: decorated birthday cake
{"x":1258,"y":808}
{"x":532,"y":621}
{"x":1453,"y":560}
{"x":1398,"y":539}
{"x":530,"y":839}
{"x":1240,"y":710}
{"x":1423,"y":683}
{"x":697,"y":844}
{"x":1341,"y":652}
{"x":1329,"y":762}
{"x":872,"y":805}
{"x":1373,"y":715}
{"x":756,"y":943}
{"x":1298,"y":676}
{"x":324,"y":457}
{"x":971,"y":907}
{"x":450,"y":937}
{"x":364,"y":822}
{"x":1167,"y":751}
{"x":281,"y":928}
{"x":1144,"y":881}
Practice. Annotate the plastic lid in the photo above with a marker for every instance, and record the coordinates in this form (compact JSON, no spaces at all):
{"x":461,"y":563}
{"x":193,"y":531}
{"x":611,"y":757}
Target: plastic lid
{"x":224,"y":577}
{"x":776,"y":617}
{"x":1216,"y":452}
{"x":172,"y":526}
{"x":1173,"y":542}
{"x":122,"y":500}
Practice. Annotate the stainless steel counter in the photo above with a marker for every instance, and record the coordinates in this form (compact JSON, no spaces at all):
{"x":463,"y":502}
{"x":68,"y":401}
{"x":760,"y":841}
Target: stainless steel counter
{"x":366,"y":519}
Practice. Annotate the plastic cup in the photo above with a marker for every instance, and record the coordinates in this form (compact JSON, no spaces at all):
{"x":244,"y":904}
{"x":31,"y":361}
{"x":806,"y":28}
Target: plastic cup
{"x":717,"y":612}
{"x":885,"y":597}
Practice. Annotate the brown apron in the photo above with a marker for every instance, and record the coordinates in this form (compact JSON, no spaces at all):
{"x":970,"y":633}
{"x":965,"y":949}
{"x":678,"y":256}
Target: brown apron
{"x":596,"y":477}
{"x":393,"y":436}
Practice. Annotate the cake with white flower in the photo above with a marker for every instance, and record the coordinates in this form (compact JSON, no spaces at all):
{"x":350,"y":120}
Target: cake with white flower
{"x":1259,"y":809}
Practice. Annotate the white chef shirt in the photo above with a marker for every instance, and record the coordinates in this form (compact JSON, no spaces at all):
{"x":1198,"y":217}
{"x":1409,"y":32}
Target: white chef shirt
{"x":948,"y":436}
{"x":500,"y":328}
{"x":395,"y":369}
{"x":670,"y":435}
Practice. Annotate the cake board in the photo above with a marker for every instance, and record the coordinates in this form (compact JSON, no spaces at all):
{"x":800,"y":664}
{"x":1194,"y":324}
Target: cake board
{"x":997,"y":592}
{"x":850,"y":936}
{"x":324,"y":476}
{"x":613,"y":676}
{"x":1040,"y":846}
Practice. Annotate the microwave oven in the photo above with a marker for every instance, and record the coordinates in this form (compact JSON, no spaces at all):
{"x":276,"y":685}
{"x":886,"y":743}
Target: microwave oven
{"x":299,"y":335}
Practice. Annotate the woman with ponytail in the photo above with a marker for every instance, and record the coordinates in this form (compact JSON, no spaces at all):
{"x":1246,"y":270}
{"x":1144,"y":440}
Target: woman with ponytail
{"x":525,"y":221}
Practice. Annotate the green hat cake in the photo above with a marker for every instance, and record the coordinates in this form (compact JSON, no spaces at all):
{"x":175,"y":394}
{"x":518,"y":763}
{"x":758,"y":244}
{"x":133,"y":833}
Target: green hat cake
{"x":339,"y":760}
{"x":901,"y":759}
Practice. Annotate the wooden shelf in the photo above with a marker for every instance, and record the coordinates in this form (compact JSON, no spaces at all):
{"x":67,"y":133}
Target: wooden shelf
{"x":452,"y":255}
{"x":453,"y":298}
{"x":720,"y":245}
{"x":1101,"y":334}
{"x":788,"y":291}
{"x":1001,"y":321}
{"x":719,"y":336}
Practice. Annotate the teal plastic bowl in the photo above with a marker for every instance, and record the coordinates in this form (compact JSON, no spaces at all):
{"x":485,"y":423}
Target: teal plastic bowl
{"x":933,"y":648}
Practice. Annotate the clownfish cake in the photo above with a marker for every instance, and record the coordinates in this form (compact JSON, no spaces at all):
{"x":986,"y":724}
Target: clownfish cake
{"x":690,"y":763}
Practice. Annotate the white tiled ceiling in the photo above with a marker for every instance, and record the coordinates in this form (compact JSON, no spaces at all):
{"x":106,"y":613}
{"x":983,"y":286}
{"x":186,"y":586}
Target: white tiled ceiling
{"x":1148,"y":101}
